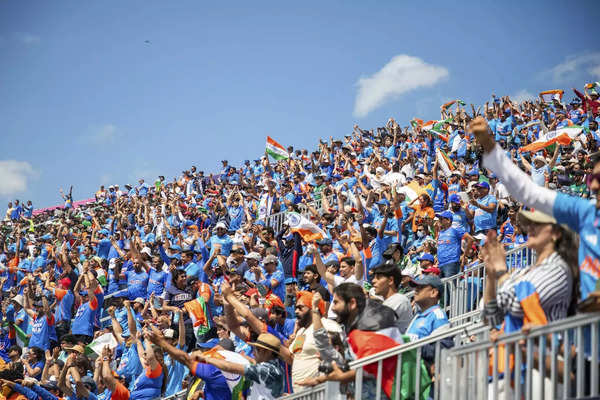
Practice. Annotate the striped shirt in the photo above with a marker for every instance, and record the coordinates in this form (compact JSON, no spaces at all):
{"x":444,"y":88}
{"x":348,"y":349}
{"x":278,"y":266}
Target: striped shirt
{"x":553,"y":282}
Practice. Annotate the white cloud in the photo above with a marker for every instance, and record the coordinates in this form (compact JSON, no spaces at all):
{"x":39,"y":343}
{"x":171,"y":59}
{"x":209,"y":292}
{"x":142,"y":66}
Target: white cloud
{"x":522,"y":95}
{"x":105,"y":134}
{"x":27,"y":38}
{"x":575,"y":66}
{"x":595,"y":71}
{"x":14,"y":176}
{"x":402,"y":74}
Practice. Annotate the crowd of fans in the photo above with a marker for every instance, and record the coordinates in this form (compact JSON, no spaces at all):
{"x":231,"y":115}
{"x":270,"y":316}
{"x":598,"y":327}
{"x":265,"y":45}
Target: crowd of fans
{"x":187,"y":284}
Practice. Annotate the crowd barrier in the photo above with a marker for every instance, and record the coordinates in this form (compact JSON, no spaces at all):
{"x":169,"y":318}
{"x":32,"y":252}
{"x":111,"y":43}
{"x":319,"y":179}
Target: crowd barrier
{"x":567,"y":348}
{"x":414,"y":378}
{"x":464,"y":290}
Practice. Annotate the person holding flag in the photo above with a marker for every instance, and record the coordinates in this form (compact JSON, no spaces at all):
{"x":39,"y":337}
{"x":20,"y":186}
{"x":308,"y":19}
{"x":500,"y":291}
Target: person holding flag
{"x":579,"y":214}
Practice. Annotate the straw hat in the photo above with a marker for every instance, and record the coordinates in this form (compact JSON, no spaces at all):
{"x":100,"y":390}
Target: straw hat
{"x":268,"y":342}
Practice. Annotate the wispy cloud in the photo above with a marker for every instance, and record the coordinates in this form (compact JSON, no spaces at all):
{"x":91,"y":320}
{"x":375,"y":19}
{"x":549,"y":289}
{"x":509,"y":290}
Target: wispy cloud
{"x":522,"y":95}
{"x":402,"y":74}
{"x":27,"y":39}
{"x":579,"y":66}
{"x":14,"y":176}
{"x":105,"y":134}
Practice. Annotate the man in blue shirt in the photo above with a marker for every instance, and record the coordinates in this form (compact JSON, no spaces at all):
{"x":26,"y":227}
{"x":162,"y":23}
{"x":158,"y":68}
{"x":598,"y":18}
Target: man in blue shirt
{"x":484,"y":209}
{"x":432,"y":319}
{"x":273,"y":278}
{"x":449,"y":245}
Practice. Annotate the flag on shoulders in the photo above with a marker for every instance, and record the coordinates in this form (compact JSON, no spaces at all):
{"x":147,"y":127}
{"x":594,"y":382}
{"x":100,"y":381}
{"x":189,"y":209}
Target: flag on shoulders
{"x":366,"y":343}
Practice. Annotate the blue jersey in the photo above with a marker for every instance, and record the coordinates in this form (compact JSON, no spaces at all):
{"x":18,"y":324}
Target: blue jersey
{"x":582,"y":216}
{"x":177,"y":371}
{"x":482,"y":219}
{"x":65,"y":306}
{"x":157,"y":281}
{"x":83,"y":323}
{"x":148,"y":384}
{"x":448,"y":250}
{"x":40,"y":332}
{"x":137,"y":284}
{"x":130,"y":365}
{"x":427,"y":322}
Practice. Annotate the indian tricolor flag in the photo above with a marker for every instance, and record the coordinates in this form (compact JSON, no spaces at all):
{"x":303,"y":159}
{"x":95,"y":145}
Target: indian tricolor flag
{"x":234,"y":381}
{"x":451,"y":103}
{"x":20,"y":336}
{"x":305,"y":228}
{"x":437,"y":128}
{"x":563,"y":136}
{"x":444,"y":162}
{"x":366,"y":343}
{"x":548,"y":95}
{"x":275,"y":150}
{"x":199,"y":314}
{"x":411,"y":191}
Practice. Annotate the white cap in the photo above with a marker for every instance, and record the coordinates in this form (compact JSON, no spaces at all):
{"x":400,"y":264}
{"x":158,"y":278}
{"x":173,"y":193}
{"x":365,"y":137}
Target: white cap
{"x":140,"y":300}
{"x":169,"y":333}
{"x":146,"y":250}
{"x":253,"y":255}
{"x":379,"y":170}
{"x":220,"y":225}
{"x":18,"y":299}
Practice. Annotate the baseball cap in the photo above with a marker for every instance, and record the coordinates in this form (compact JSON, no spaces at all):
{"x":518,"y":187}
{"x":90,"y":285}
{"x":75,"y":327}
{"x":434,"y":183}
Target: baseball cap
{"x":445,"y":214}
{"x":253,"y":255}
{"x":454,"y":198}
{"x":169,"y":333}
{"x":290,"y":281}
{"x":426,"y":257}
{"x":428,"y":280}
{"x":270,"y":259}
{"x":537,"y":217}
{"x":484,"y":185}
{"x":432,"y":270}
{"x":140,"y":300}
{"x":220,"y":225}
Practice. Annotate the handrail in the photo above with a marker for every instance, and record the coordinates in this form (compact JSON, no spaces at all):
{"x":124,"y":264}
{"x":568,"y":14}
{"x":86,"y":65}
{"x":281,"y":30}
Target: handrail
{"x":469,"y":329}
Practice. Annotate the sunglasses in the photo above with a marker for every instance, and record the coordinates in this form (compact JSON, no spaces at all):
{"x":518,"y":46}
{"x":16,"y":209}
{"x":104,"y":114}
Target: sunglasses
{"x":590,"y":178}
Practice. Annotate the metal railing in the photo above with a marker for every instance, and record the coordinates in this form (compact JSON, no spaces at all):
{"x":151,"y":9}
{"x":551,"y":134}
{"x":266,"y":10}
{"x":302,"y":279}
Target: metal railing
{"x":464,"y":290}
{"x":277,"y":220}
{"x":324,"y":391}
{"x":459,"y":334}
{"x":568,"y":350}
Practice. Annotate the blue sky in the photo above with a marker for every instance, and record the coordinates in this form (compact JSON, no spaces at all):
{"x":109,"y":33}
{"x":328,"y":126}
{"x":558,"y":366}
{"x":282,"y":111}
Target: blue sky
{"x":86,"y":101}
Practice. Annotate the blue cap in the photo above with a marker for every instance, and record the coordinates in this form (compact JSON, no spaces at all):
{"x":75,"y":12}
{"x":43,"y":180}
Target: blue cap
{"x":383,"y":202}
{"x":104,"y":232}
{"x":324,"y":241}
{"x":47,"y":236}
{"x":473,"y":172}
{"x":208,"y":344}
{"x":289,"y":281}
{"x":445,"y":214}
{"x":428,"y":280}
{"x":176,"y":255}
{"x":454,"y":198}
{"x":484,"y":185}
{"x":175,"y":247}
{"x":426,"y":257}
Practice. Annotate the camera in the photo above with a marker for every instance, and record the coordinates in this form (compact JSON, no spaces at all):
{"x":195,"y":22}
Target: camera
{"x":326,"y":367}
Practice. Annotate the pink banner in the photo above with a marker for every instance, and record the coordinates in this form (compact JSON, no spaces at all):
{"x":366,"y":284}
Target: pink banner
{"x":75,"y":204}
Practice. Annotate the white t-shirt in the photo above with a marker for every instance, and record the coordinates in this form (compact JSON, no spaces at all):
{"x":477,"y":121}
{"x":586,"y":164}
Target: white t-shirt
{"x":306,"y":356}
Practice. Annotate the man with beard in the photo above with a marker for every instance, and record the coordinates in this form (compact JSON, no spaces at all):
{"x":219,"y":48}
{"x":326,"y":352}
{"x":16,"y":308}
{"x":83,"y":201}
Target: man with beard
{"x":370,"y":327}
{"x":303,"y":347}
